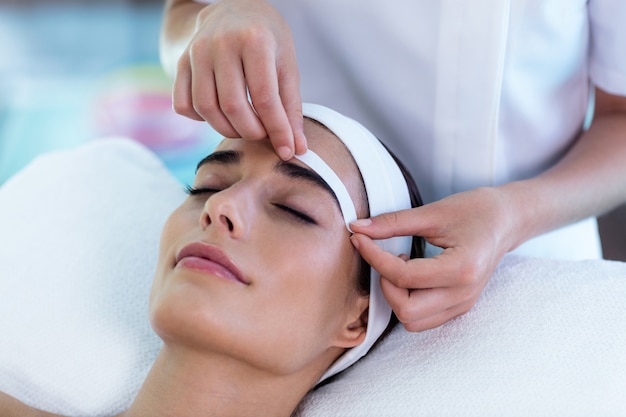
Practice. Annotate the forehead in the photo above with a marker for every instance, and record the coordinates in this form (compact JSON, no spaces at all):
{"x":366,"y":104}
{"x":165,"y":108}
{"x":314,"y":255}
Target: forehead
{"x":321,"y":141}
{"x":328,"y":146}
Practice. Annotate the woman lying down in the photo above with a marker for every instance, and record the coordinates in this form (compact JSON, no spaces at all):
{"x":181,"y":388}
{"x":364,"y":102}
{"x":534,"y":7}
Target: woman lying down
{"x":258,"y":294}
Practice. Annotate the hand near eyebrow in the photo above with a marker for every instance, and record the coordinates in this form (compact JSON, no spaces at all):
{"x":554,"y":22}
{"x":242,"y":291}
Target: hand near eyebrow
{"x":242,"y":46}
{"x":471,"y":227}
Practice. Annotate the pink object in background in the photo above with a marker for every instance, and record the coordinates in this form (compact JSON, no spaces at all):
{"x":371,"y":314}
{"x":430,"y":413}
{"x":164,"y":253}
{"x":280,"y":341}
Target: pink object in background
{"x":136,"y":103}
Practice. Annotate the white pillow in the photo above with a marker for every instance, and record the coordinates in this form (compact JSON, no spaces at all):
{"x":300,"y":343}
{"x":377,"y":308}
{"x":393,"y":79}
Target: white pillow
{"x":79,"y":233}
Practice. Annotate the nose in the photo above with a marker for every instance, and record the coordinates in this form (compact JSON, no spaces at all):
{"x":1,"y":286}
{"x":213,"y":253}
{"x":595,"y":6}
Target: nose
{"x":229,"y":211}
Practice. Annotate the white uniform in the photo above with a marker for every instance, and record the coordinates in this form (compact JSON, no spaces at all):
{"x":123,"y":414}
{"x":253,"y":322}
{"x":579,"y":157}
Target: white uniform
{"x":466,"y":92}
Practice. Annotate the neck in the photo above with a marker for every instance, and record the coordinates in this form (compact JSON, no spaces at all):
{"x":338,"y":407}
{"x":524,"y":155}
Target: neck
{"x":183,"y":383}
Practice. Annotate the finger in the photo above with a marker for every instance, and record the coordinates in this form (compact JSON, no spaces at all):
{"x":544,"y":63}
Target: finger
{"x":233,"y":99}
{"x":404,"y":302}
{"x":207,"y":106}
{"x":413,"y":305}
{"x":382,"y":261}
{"x":297,"y":123}
{"x":289,"y":90}
{"x":262,"y":78}
{"x":182,"y":101}
{"x":203,"y":93}
{"x":414,"y":221}
{"x":419,"y":273}
{"x":424,"y":309}
{"x":434,"y":321}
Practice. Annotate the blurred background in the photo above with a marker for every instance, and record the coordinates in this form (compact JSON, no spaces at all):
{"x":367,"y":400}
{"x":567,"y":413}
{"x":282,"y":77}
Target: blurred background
{"x":73,"y":71}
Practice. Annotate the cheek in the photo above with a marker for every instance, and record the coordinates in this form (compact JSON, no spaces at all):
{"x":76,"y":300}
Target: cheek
{"x":305,"y":293}
{"x":177,"y":314}
{"x":175,"y":226}
{"x":183,"y":221}
{"x":314,"y":255}
{"x":171,"y":229}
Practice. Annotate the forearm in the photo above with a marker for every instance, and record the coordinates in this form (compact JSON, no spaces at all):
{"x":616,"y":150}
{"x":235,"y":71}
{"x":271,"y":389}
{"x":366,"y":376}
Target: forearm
{"x":178,"y":27}
{"x":588,"y":181}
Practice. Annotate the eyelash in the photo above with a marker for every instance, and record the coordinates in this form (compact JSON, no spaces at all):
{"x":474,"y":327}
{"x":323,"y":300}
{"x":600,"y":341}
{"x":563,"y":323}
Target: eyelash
{"x":298,"y":215}
{"x":191,"y":190}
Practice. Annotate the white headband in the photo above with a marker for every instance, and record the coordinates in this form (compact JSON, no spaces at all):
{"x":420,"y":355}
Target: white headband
{"x":387,"y":191}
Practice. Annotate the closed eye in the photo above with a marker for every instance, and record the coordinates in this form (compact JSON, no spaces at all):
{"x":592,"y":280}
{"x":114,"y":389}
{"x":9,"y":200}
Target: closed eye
{"x":298,"y":215}
{"x":190,"y":190}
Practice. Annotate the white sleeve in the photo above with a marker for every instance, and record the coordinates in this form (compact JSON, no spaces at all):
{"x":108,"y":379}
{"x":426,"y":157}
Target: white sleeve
{"x":607,"y":61}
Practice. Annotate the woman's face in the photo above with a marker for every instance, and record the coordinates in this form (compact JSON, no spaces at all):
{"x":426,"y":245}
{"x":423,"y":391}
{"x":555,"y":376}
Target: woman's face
{"x":256,"y":264}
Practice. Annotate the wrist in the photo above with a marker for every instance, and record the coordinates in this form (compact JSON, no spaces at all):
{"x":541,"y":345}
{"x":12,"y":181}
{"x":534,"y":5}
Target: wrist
{"x":525,"y":212}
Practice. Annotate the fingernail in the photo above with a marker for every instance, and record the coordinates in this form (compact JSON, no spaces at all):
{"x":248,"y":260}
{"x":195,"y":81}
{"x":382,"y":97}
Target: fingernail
{"x":361,"y":222}
{"x":354,"y":241}
{"x":305,"y":142}
{"x":284,"y":152}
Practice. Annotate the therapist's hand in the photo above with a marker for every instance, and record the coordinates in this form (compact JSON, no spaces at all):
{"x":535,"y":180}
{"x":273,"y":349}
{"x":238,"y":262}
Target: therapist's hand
{"x":472,"y":227}
{"x":240,"y":46}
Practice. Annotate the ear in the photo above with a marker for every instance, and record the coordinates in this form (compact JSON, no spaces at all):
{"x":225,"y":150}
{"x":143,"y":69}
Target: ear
{"x":355,"y":327}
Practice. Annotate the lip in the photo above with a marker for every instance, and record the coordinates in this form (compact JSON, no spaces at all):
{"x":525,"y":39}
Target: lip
{"x":209,"y":259}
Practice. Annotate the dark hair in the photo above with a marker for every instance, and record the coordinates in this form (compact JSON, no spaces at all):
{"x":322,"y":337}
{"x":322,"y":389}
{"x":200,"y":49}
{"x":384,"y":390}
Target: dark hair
{"x":417,"y":251}
{"x":417,"y":245}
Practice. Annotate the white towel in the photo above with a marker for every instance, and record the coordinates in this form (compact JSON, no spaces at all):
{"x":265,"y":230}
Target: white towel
{"x":79,"y":235}
{"x":546,"y":338}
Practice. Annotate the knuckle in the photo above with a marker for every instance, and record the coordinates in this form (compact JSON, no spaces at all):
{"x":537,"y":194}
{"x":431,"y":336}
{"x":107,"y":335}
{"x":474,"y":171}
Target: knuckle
{"x":256,"y":36}
{"x":468,"y":273}
{"x":465,"y":300}
{"x":264,"y":98}
{"x":180,"y":106}
{"x":404,"y":278}
{"x":413,"y":327}
{"x":255,"y":134}
{"x":231,"y":107}
{"x":462,"y":309}
{"x":205,"y":108}
{"x":183,"y":64}
{"x":390,"y":218}
{"x":251,"y":37}
{"x":405,"y":313}
{"x":297,"y":111}
{"x":469,"y":303}
{"x":465,"y":308}
{"x":184,"y":108}
{"x":198,"y":47}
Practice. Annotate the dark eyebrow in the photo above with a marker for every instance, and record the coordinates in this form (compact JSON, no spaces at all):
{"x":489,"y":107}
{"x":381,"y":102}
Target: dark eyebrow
{"x":291,"y":170}
{"x":302,"y":173}
{"x":221,"y":157}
